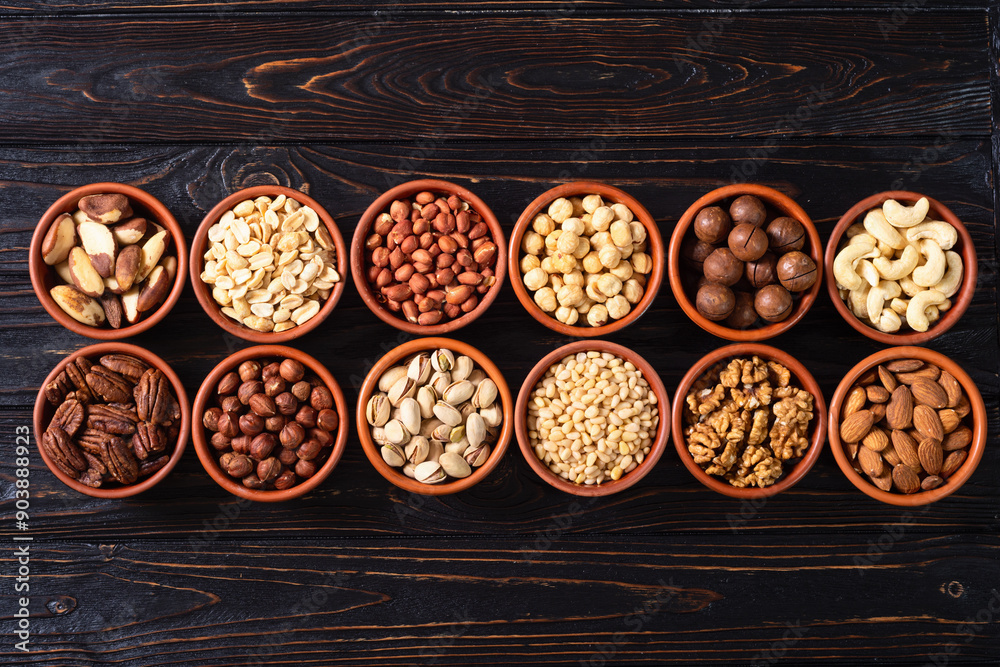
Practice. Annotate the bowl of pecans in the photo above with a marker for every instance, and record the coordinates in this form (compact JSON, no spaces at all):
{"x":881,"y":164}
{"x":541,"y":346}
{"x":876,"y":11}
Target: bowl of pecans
{"x":111,"y":420}
{"x":910,"y":426}
{"x":267,"y":264}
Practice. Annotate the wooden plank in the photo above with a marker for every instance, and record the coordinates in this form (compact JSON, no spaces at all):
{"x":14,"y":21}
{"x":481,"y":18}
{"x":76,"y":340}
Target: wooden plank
{"x":678,"y":600}
{"x":826,"y":178}
{"x":287,"y":78}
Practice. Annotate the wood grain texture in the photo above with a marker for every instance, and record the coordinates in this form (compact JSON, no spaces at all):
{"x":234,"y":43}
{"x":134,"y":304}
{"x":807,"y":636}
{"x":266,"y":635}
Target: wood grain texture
{"x":298,"y":79}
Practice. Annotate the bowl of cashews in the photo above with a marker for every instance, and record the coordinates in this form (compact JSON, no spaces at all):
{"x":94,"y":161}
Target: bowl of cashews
{"x":900,"y":268}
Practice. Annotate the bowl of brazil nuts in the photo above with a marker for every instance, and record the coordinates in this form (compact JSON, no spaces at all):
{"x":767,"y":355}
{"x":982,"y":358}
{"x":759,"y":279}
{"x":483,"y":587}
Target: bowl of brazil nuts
{"x":910,"y":426}
{"x":111,"y":420}
{"x":900,"y":268}
{"x":267,"y":264}
{"x":748,"y":420}
{"x":745,"y":262}
{"x":612,"y":433}
{"x":587,"y":259}
{"x":108,"y":261}
{"x":435,"y":416}
{"x":428,"y":257}
{"x":272,"y":423}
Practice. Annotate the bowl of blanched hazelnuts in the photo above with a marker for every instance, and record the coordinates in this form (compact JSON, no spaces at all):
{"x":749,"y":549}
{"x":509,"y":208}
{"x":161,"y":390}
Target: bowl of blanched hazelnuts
{"x":745,"y":262}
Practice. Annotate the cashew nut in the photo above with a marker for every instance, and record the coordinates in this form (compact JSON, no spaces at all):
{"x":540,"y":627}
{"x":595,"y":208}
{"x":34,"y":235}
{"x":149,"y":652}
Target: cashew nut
{"x":868,"y":271}
{"x":857,"y":300}
{"x":916,"y":312}
{"x":952,"y":279}
{"x":944,"y":234}
{"x":843,"y":263}
{"x":879,"y":227}
{"x":885,"y":250}
{"x":854,"y":230}
{"x":933,"y":270}
{"x":888,"y":321}
{"x":899,"y":305}
{"x":905,"y":216}
{"x":898,"y":268}
{"x":878,"y":295}
{"x":910,"y":288}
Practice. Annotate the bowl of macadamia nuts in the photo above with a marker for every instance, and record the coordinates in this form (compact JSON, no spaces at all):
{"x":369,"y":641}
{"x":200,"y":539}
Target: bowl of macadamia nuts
{"x":586,"y":258}
{"x":901,"y":268}
{"x":745,"y":262}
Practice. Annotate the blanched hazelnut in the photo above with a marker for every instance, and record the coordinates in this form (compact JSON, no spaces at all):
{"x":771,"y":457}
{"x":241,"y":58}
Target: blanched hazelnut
{"x":618,"y":307}
{"x":597,"y":316}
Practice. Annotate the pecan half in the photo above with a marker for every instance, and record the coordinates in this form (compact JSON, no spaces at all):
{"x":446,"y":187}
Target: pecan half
{"x":149,"y":467}
{"x":154,"y":401}
{"x":148,"y":439}
{"x":56,"y":390}
{"x":92,"y":478}
{"x":68,"y":416}
{"x":66,"y":456}
{"x":119,"y":460}
{"x":109,"y":385}
{"x":125,"y":365}
{"x":77,"y":370}
{"x":91,"y":440}
{"x":111,"y":419}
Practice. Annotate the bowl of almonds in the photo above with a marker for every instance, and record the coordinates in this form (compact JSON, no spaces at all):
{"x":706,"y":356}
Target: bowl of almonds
{"x":111,"y":420}
{"x":267,"y":264}
{"x":108,"y":261}
{"x":908,"y":426}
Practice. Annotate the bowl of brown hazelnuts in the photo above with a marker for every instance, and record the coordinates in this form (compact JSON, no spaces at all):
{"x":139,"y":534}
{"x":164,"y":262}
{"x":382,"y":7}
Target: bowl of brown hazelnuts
{"x":745,"y":262}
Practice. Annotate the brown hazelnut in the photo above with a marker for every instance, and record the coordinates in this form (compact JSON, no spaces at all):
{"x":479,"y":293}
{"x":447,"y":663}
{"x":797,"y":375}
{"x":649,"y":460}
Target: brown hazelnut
{"x":301,"y":390}
{"x":288,"y":457}
{"x":274,"y":386}
{"x":796,"y":271}
{"x":275,"y":423}
{"x":220,"y":442}
{"x":292,"y":370}
{"x":241,"y":444}
{"x":748,"y":242}
{"x":292,"y":435}
{"x":248,"y":389}
{"x":235,"y":465}
{"x":321,"y":398}
{"x":285,"y":480}
{"x":785,"y":234}
{"x":263,"y":405}
{"x":253,"y":482}
{"x":722,"y":267}
{"x":744,"y":314}
{"x":249,"y":370}
{"x":262,"y":445}
{"x":228,"y":424}
{"x":762,"y":271}
{"x":269,"y":469}
{"x":269,"y":371}
{"x":319,"y":435}
{"x":211,"y":418}
{"x":712,"y":225}
{"x":328,"y":420}
{"x":229,"y":383}
{"x":309,"y":450}
{"x":286,"y":403}
{"x":232,"y":404}
{"x":747,"y":209}
{"x":305,"y":469}
{"x":694,"y":252}
{"x":715,"y":301}
{"x":306,"y":416}
{"x":251,"y":424}
{"x":773,"y":303}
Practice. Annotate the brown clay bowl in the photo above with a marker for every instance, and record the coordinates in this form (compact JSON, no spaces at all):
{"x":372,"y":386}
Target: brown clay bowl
{"x":44,"y":411}
{"x":610,"y":194}
{"x":627,"y":480}
{"x":205,"y":398}
{"x":803,"y":378}
{"x":44,"y":277}
{"x":393,"y":358}
{"x":777,"y":204}
{"x":964,"y":246}
{"x":977,"y":416}
{"x":204,"y":292}
{"x":359,"y":265}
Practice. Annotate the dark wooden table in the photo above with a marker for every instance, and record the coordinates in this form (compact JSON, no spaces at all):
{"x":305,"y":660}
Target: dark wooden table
{"x":827,"y":101}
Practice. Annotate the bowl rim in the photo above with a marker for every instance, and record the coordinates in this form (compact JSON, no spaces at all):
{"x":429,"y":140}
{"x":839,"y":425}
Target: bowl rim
{"x":776,"y":200}
{"x":40,"y":272}
{"x":961,"y":300}
{"x":42,"y":406}
{"x":207,"y":389}
{"x":978,"y":414}
{"x":807,"y":382}
{"x":656,"y":449}
{"x":203,"y":294}
{"x":655,"y":250}
{"x":381,"y":204}
{"x":390,"y":359}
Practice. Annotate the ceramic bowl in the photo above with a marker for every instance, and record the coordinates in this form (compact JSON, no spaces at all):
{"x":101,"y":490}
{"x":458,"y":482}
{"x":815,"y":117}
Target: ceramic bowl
{"x":393,"y":358}
{"x":802,"y":378}
{"x":203,"y":291}
{"x":206,"y":398}
{"x":659,"y":440}
{"x":614,"y":196}
{"x":44,"y":411}
{"x":964,"y":246}
{"x":777,"y":205}
{"x":44,"y":277}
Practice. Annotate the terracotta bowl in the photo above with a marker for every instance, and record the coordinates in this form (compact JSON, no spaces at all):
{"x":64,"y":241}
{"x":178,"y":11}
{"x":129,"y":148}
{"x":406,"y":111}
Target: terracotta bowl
{"x":359,"y":265}
{"x":627,"y":480}
{"x":206,"y":399}
{"x":609,"y":194}
{"x":204,"y":292}
{"x":803,"y":378}
{"x":964,"y":246}
{"x":44,"y":411}
{"x":777,"y":205}
{"x":44,"y":277}
{"x":393,"y":358}
{"x":977,"y":417}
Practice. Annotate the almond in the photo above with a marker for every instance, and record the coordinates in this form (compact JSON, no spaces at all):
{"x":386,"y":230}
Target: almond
{"x":78,"y":305}
{"x":931,"y":456}
{"x":927,"y":422}
{"x":876,"y":440}
{"x":100,"y":245}
{"x":957,"y":439}
{"x":883,"y":481}
{"x":155,"y":290}
{"x":130,"y":231}
{"x":130,"y":304}
{"x":112,"y":309}
{"x":856,"y":426}
{"x":871,"y":462}
{"x":963,"y":408}
{"x":904,"y":365}
{"x":928,"y":392}
{"x":931,"y":482}
{"x":878,"y":411}
{"x":953,"y":462}
{"x":105,"y":209}
{"x":856,"y":399}
{"x":951,"y":387}
{"x":127,"y":266}
{"x":152,"y":250}
{"x":852,"y":450}
{"x":59,"y":240}
{"x":899,"y":411}
{"x":929,"y":372}
{"x":890,"y":456}
{"x":906,"y":448}
{"x":85,"y":276}
{"x":905,"y":479}
{"x":949,"y":420}
{"x":868,"y":377}
{"x":887,"y":378}
{"x":877,"y":394}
